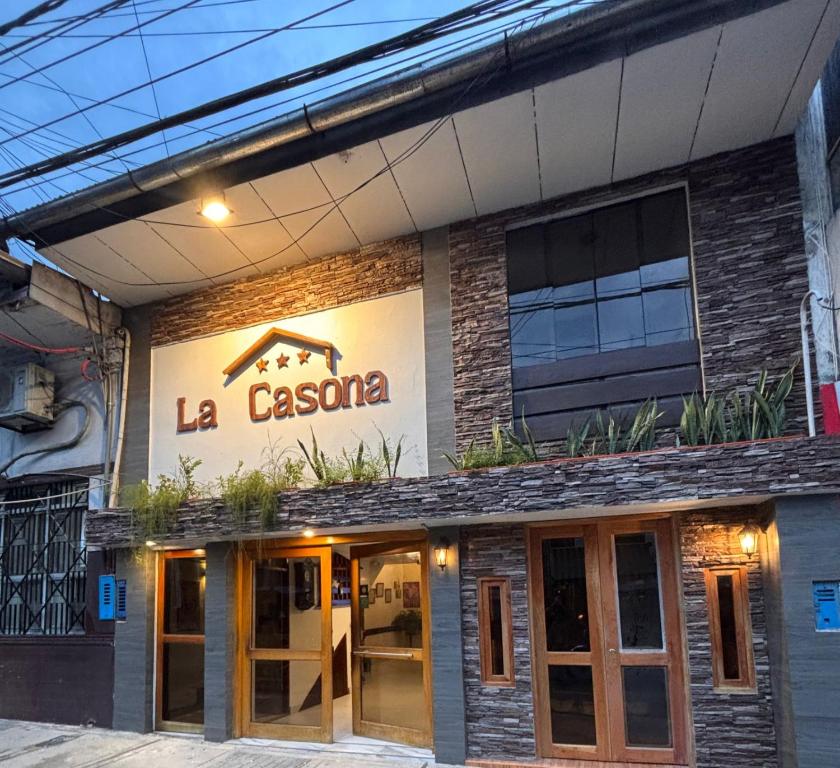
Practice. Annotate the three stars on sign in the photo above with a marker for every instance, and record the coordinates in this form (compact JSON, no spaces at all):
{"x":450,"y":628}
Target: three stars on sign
{"x":283,"y":360}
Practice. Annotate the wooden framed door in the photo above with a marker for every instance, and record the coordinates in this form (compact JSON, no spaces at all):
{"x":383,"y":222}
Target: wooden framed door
{"x":390,"y":642}
{"x":607,"y":647}
{"x":286,"y":644}
{"x":179,"y":684}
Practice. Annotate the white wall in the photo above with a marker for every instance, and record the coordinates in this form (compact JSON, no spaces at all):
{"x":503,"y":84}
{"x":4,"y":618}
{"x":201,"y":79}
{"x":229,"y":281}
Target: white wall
{"x":383,"y":334}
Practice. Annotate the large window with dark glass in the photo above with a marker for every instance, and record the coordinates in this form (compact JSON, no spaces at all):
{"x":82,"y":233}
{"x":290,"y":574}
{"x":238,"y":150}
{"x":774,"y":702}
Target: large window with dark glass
{"x":598,"y":297}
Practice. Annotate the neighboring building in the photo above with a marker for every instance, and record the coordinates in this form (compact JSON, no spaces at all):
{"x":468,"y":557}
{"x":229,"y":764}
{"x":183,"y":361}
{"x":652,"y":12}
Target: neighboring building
{"x":56,"y":657}
{"x":599,"y":211}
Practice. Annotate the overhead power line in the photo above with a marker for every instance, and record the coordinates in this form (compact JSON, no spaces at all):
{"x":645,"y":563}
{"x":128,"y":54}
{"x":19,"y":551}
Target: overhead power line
{"x":251,"y":31}
{"x":465,"y":18}
{"x":90,"y":47}
{"x":31,"y":15}
{"x":67,"y":26}
{"x":156,"y":10}
{"x":331,"y":206}
{"x":425,"y":57}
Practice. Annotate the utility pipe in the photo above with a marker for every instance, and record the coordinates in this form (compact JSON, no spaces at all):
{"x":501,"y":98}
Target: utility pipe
{"x":806,"y":361}
{"x":113,"y":494}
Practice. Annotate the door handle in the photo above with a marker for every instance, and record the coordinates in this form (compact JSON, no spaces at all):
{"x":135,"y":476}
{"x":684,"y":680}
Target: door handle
{"x":385,"y":654}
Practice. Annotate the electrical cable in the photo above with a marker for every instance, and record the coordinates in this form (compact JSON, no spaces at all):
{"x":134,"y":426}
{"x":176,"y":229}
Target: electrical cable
{"x":466,"y":18}
{"x":453,"y":46}
{"x":74,"y":54}
{"x":39,"y":348}
{"x":71,"y":443}
{"x":31,"y":15}
{"x":406,"y":154}
{"x":49,"y":497}
{"x":251,"y":31}
{"x":47,"y":36}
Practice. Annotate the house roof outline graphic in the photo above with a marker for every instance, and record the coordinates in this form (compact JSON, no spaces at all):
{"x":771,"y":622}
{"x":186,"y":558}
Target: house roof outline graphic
{"x":272,"y":336}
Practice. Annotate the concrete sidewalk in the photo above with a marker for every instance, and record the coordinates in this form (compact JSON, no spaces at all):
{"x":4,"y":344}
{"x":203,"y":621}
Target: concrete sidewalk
{"x":38,"y":745}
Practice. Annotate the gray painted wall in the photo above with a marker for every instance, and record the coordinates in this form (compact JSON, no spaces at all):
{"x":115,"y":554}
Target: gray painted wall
{"x":134,"y":646}
{"x":135,"y":462}
{"x":437,"y":321}
{"x":447,"y":657}
{"x":69,"y":386}
{"x":219,"y":641}
{"x":808,"y":529}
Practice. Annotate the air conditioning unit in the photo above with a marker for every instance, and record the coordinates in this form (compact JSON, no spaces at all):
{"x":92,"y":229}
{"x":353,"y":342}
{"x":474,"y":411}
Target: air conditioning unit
{"x":26,"y":398}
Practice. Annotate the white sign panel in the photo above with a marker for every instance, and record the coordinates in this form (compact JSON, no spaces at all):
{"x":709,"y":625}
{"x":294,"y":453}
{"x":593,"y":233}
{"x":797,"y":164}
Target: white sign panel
{"x":341,"y":373}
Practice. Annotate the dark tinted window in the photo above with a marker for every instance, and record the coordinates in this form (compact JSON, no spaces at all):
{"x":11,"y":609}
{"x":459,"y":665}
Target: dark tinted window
{"x":606,"y":280}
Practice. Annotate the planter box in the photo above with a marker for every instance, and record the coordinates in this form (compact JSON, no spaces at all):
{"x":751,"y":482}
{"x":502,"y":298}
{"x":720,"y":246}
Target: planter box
{"x":747,"y":471}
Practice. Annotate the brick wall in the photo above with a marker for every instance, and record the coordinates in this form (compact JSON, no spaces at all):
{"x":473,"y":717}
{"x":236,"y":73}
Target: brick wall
{"x":730,"y":729}
{"x":735,"y":730}
{"x":500,"y":721}
{"x":749,"y":264}
{"x":373,"y":270}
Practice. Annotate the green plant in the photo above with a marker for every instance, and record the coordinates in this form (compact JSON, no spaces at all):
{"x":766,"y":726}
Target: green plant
{"x":154,"y":508}
{"x":608,"y":431}
{"x":259,"y":488}
{"x":527,"y":449}
{"x":363,"y":467}
{"x":576,"y":436}
{"x":391,"y":460}
{"x":408,"y":621}
{"x":751,"y":414}
{"x":504,"y":448}
{"x":641,"y":435}
{"x":327,"y":471}
{"x":703,"y":419}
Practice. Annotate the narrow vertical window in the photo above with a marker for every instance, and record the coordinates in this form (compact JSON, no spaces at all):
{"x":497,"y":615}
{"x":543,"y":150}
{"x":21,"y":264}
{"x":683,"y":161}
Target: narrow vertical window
{"x":729,"y":623}
{"x":495,"y":631}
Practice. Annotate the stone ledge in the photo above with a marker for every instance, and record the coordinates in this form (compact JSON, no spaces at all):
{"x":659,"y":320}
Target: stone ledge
{"x":777,"y":467}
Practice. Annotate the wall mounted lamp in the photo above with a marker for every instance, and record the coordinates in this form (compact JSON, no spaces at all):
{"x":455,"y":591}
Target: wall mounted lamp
{"x":442,"y":553}
{"x":748,"y":536}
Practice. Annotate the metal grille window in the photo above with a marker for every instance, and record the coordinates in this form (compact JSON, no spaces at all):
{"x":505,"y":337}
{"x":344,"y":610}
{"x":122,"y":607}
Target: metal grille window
{"x":43,"y":559}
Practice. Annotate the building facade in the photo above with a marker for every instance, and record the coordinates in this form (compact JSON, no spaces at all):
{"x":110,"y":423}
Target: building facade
{"x":567,"y":563}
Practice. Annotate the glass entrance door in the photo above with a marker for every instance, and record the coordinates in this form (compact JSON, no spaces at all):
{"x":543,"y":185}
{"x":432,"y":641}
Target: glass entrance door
{"x":390,"y":630}
{"x":607,"y":652}
{"x":287,"y":648}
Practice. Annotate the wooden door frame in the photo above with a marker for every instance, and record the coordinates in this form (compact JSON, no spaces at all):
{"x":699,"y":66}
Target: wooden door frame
{"x":600,"y":593}
{"x":246,"y":654}
{"x":420,"y":737}
{"x":161,"y":638}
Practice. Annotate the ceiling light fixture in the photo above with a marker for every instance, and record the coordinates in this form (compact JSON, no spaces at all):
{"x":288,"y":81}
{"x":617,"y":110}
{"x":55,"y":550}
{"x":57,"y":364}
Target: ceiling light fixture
{"x":215,"y":208}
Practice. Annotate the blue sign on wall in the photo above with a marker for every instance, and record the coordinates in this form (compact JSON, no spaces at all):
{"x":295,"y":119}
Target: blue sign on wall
{"x":827,"y":606}
{"x":107,"y":597}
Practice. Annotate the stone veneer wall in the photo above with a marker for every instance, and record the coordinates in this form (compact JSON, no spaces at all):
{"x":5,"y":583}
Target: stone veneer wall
{"x":500,"y":721}
{"x":332,"y":281}
{"x":735,"y":730}
{"x":749,"y":265}
{"x":729,"y":729}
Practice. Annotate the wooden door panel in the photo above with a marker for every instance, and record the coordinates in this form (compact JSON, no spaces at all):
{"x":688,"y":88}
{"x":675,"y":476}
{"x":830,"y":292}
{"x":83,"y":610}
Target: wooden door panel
{"x":617,"y":672}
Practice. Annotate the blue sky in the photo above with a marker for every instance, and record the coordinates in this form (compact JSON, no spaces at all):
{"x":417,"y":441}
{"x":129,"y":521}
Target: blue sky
{"x":120,"y":64}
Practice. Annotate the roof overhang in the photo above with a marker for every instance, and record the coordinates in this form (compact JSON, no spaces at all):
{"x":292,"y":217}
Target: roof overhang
{"x":603,"y":95}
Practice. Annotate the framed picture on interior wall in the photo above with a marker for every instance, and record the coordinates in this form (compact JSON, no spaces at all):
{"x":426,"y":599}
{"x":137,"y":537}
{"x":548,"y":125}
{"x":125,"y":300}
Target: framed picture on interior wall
{"x":372,"y":597}
{"x":380,"y":589}
{"x":411,"y":594}
{"x":363,"y":601}
{"x":387,"y":595}
{"x":398,"y":593}
{"x":396,"y":585}
{"x":363,"y":590}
